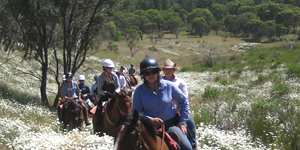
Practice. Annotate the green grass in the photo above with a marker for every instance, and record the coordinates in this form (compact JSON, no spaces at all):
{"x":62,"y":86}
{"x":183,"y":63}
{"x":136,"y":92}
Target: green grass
{"x":211,"y":93}
{"x":18,"y":96}
{"x":279,"y":89}
{"x":266,"y":56}
{"x":190,"y":48}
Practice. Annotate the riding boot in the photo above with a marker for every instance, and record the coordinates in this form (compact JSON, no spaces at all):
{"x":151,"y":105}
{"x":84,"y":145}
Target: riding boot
{"x":85,"y":116}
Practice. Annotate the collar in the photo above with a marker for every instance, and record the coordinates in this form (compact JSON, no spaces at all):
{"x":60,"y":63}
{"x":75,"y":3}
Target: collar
{"x":174,"y":79}
{"x":162,"y":84}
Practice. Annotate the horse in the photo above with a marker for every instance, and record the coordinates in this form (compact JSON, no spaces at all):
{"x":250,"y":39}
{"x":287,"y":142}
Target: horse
{"x":133,"y":81}
{"x":71,"y":114}
{"x":139,"y":134}
{"x":108,"y":118}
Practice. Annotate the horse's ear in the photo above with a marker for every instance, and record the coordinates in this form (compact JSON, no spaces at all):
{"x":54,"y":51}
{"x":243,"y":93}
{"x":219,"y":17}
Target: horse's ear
{"x":129,"y":93}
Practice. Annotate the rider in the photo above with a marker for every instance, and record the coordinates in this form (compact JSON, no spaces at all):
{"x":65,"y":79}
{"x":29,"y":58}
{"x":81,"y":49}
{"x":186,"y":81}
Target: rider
{"x":85,"y":92}
{"x":122,"y":79}
{"x":69,"y":90}
{"x":156,"y":98}
{"x":169,"y":69}
{"x":107,"y":77}
{"x":60,"y":102}
{"x":131,"y":70}
{"x":94,"y":89}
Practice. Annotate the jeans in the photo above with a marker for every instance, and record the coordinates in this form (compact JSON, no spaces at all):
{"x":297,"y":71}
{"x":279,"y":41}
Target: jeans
{"x":182,"y":138}
{"x":191,"y":127}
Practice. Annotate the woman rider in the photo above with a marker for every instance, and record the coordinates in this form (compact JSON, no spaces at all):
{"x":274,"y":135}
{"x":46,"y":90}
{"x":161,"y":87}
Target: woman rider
{"x":108,"y":81}
{"x":156,"y":99}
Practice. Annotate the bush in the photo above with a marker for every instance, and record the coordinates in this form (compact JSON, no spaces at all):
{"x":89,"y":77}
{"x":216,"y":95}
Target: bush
{"x":294,"y":70}
{"x":211,"y":93}
{"x":279,"y":89}
{"x":258,"y":124}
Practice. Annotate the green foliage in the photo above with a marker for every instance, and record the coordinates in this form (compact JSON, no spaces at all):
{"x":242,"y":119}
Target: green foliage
{"x":219,"y":11}
{"x":279,"y":89}
{"x":200,"y":26}
{"x":257,"y":122}
{"x":294,"y":70}
{"x":275,"y":121}
{"x":202,"y":13}
{"x":210,"y":93}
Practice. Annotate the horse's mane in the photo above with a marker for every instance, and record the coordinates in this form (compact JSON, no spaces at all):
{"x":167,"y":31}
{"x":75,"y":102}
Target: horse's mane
{"x":132,"y":123}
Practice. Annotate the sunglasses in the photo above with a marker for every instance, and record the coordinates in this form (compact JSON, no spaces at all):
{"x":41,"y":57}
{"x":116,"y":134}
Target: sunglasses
{"x":151,"y":72}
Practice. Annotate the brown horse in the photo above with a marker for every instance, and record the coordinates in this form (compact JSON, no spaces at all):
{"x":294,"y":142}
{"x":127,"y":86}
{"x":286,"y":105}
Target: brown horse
{"x":72,"y":115}
{"x":133,"y":81}
{"x":108,"y":118}
{"x":139,"y":134}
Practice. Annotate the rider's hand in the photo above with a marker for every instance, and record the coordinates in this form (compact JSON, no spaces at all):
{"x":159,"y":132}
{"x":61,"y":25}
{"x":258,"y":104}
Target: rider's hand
{"x":157,"y":121}
{"x":183,"y":127}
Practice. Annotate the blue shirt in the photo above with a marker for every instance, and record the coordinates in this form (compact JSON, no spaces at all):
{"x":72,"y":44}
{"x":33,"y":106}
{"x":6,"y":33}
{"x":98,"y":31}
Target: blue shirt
{"x":161,"y":103}
{"x":70,"y":90}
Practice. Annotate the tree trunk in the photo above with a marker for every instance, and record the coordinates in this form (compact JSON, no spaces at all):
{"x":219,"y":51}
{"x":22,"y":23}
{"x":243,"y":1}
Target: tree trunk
{"x":43,"y":87}
{"x":57,"y":96}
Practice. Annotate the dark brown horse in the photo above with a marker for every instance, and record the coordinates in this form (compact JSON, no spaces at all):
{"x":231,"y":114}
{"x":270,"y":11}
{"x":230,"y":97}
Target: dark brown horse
{"x":72,"y":115}
{"x":108,"y":118}
{"x":139,"y":134}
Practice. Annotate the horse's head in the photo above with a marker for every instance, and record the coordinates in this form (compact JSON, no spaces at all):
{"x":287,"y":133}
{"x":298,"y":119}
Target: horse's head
{"x":133,"y":80}
{"x":139,"y":133}
{"x":124,"y":101}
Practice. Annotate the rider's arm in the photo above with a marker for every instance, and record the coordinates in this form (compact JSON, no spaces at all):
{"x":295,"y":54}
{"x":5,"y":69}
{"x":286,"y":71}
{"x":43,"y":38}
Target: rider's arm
{"x":183,"y":88}
{"x":137,"y":101}
{"x":183,"y":103}
{"x":117,"y":83}
{"x":100,"y":83}
{"x":63,"y":91}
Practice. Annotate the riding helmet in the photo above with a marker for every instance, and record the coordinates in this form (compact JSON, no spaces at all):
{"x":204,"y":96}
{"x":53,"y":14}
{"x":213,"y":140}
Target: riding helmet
{"x":149,"y":64}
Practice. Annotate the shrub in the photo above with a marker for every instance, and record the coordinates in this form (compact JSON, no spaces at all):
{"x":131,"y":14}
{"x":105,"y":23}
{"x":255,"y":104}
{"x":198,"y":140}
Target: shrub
{"x":211,"y":93}
{"x":258,"y":124}
{"x":279,"y":89}
{"x":294,"y":70}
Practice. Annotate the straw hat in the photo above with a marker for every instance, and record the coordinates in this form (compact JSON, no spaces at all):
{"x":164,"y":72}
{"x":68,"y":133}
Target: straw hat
{"x":169,"y":64}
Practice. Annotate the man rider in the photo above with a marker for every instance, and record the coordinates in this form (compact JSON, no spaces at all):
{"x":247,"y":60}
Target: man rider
{"x":85,"y":93}
{"x":131,"y":70}
{"x":169,"y":70}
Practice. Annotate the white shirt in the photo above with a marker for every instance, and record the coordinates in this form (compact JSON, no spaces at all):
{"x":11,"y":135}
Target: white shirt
{"x":181,"y":84}
{"x":123,"y":82}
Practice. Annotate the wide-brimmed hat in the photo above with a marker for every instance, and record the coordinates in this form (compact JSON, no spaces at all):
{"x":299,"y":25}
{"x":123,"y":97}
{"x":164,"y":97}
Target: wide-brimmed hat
{"x":169,"y":64}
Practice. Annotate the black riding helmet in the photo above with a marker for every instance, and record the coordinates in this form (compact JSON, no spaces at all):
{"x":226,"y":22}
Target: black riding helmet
{"x":69,"y":75}
{"x":149,"y":64}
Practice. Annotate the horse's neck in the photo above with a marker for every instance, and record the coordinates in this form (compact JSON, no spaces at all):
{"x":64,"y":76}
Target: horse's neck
{"x":152,"y":142}
{"x":112,"y":112}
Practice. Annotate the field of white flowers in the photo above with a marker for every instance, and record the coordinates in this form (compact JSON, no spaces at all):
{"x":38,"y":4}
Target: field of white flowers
{"x":222,"y":104}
